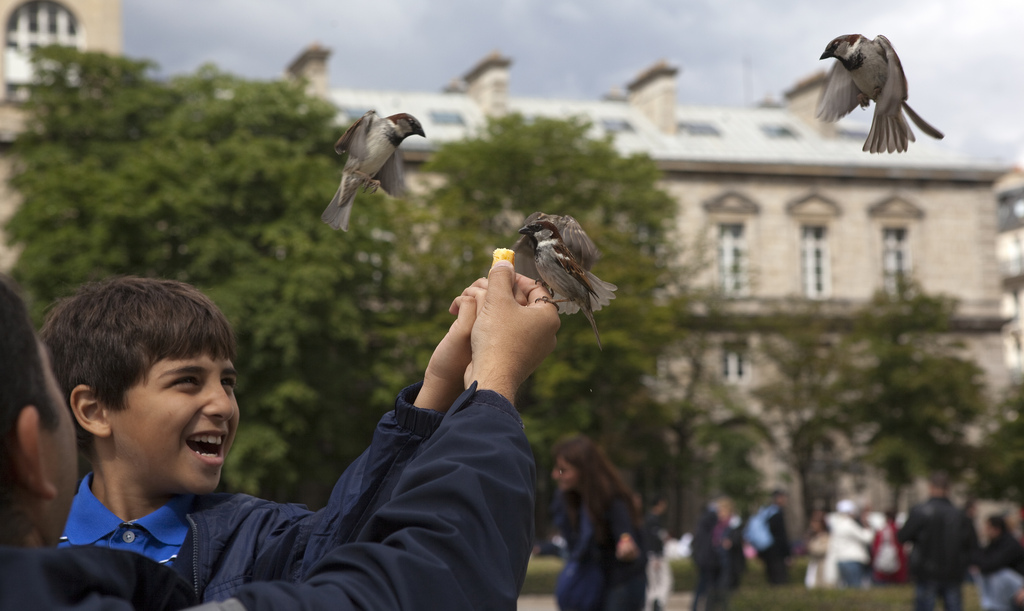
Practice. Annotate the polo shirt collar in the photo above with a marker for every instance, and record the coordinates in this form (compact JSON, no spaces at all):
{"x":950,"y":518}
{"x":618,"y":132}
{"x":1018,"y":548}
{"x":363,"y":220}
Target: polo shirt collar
{"x":90,"y":520}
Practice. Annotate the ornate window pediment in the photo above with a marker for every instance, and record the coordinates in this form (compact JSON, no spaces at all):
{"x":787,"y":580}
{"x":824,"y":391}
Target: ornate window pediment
{"x":895,"y":207}
{"x":814,"y":206}
{"x":732,"y":203}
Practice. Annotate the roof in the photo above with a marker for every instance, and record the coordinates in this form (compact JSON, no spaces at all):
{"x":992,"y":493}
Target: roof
{"x":706,"y":135}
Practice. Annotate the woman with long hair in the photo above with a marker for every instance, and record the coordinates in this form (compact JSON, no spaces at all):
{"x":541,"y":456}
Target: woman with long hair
{"x":597,"y":514}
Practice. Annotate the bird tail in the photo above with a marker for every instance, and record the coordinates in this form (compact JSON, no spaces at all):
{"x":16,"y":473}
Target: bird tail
{"x":889,"y":133}
{"x":921,"y":123}
{"x":337,"y":212}
{"x":601,"y":292}
{"x":590,"y":317}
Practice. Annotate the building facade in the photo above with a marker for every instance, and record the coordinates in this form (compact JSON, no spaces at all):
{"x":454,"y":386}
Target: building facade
{"x":87,"y":25}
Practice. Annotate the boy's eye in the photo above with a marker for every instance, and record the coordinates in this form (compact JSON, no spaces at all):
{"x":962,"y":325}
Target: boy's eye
{"x":190,"y":380}
{"x":229,"y":382}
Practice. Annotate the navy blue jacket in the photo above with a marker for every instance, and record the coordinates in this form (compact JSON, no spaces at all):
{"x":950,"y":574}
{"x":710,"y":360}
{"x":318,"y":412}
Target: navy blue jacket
{"x":235,"y":539}
{"x":87,"y":578}
{"x":455,"y":533}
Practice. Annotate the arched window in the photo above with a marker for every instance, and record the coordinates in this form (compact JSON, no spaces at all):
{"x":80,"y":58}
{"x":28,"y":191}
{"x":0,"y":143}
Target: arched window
{"x":35,"y":24}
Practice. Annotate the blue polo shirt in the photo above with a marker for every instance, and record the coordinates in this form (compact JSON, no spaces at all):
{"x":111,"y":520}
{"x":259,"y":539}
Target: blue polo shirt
{"x":157,"y":536}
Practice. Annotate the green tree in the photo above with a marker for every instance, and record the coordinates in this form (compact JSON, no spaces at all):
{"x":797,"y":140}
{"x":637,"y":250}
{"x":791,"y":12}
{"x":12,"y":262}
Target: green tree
{"x":516,"y":167}
{"x":913,"y":395}
{"x":997,"y":472}
{"x":800,"y":346}
{"x":219,"y":181}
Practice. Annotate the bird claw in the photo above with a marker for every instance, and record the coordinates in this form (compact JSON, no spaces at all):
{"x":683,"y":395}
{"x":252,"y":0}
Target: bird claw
{"x":371,"y":186}
{"x":863,"y":100}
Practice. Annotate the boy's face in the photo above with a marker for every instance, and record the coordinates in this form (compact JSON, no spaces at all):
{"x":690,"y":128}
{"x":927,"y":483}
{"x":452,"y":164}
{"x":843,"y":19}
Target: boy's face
{"x":177,"y":428}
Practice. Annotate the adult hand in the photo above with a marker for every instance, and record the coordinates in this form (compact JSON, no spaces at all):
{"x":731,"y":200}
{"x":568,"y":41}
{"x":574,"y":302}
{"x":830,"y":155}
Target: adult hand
{"x":626,"y":549}
{"x":513,"y":332}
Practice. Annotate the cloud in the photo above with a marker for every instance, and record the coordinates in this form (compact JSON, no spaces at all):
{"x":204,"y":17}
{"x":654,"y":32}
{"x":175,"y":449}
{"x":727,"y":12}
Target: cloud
{"x":959,"y":61}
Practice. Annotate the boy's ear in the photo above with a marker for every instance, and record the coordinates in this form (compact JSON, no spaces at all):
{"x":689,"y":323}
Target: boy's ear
{"x":27,"y":456}
{"x":90,"y":413}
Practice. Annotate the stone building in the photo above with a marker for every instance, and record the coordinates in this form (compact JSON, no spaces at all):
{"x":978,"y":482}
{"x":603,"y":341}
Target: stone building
{"x":793,"y":205}
{"x":1010,"y":252}
{"x":88,"y":25}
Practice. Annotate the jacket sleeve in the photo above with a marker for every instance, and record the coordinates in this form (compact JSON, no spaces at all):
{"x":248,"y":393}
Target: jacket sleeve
{"x":910,"y":529}
{"x":456,"y":532}
{"x":368,"y":482}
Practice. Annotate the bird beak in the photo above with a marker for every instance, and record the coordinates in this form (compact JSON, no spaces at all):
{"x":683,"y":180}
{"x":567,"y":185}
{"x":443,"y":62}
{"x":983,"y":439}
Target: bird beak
{"x":419,"y":131}
{"x":827,"y":54}
{"x":525,"y":230}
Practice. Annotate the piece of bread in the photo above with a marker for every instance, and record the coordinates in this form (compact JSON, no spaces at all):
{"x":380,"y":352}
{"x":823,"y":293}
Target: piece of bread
{"x":504,"y":254}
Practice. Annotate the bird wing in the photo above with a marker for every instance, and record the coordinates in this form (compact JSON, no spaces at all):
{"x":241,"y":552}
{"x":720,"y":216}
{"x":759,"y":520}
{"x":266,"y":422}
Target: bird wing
{"x":579,"y":243}
{"x":839,"y":96}
{"x":894,"y":92}
{"x":392,"y":175}
{"x":353,"y":141}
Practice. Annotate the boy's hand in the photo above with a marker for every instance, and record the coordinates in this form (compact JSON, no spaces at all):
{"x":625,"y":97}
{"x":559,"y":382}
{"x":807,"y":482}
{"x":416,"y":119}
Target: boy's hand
{"x":512,"y":333}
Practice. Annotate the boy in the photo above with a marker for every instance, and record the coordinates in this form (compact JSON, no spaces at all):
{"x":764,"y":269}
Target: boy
{"x":455,"y":533}
{"x":146,"y":367}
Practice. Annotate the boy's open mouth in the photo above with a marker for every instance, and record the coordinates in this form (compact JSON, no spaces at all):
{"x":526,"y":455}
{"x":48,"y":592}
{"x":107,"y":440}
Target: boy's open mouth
{"x":205,"y":445}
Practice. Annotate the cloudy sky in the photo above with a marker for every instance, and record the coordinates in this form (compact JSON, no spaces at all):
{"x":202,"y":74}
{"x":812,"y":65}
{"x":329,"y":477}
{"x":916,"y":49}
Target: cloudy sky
{"x":964,"y":60}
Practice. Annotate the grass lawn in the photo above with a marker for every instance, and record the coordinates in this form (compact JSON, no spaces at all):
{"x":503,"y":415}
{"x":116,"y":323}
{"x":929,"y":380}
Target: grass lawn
{"x":755,"y":595}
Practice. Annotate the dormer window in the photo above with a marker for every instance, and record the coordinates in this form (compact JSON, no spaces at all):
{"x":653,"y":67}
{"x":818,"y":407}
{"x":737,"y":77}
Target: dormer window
{"x":616,"y":125}
{"x":698,"y":129}
{"x":446,"y":117}
{"x":778,"y":132}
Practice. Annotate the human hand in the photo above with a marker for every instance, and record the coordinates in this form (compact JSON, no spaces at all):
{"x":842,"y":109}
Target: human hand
{"x":513,"y":332}
{"x":444,"y":379}
{"x":626,"y":549}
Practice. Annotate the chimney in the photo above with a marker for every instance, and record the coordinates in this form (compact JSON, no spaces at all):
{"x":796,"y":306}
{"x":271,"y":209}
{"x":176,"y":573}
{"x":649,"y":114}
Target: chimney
{"x":311,"y":65}
{"x":653,"y":93}
{"x":802,"y":101}
{"x":487,"y":84}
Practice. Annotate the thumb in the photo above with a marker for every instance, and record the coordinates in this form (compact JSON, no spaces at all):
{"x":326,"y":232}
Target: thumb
{"x":500,"y":281}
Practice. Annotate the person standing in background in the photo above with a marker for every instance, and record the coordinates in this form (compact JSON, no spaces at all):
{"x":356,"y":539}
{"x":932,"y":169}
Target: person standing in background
{"x":593,"y":502}
{"x":776,"y":556}
{"x":943,"y":538}
{"x":659,"y":573}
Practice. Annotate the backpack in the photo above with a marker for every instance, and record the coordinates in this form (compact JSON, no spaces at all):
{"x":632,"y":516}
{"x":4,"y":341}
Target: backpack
{"x":887,"y":558}
{"x":756,"y":532}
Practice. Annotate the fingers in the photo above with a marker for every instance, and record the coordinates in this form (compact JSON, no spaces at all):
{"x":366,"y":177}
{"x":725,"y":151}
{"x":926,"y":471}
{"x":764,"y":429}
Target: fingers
{"x":473,"y":295}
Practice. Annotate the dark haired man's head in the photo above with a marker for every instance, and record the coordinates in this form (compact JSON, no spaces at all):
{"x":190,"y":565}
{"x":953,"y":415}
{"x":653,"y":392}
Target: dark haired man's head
{"x":109,"y":334}
{"x":37,"y":459}
{"x":996,"y":526}
{"x":938,"y":484}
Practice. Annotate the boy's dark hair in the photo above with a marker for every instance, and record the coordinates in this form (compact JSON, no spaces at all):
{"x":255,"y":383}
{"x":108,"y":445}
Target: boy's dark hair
{"x":110,"y":333}
{"x":22,"y":382}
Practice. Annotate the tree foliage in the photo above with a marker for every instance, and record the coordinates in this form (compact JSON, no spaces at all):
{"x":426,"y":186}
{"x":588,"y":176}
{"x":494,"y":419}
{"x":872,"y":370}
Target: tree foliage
{"x":914,"y":394}
{"x":516,"y":167}
{"x":800,"y":349}
{"x":217,"y":181}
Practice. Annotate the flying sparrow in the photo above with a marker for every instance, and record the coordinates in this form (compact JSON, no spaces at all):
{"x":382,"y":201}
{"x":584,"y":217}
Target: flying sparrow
{"x":571,"y":285}
{"x":372,"y":145}
{"x":870,"y":70}
{"x":573,"y":236}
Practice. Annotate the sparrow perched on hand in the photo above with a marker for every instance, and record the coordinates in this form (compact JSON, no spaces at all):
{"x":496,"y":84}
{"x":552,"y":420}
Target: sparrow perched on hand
{"x":573,"y":236}
{"x":570,"y":283}
{"x":372,"y":145}
{"x":870,"y":70}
